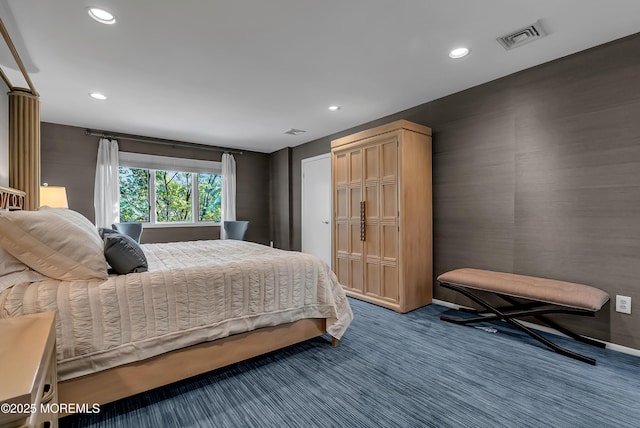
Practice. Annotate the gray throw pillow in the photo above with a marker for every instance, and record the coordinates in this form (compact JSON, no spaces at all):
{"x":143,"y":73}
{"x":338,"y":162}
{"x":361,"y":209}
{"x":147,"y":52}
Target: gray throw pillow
{"x":105,"y":230}
{"x":124,"y":254}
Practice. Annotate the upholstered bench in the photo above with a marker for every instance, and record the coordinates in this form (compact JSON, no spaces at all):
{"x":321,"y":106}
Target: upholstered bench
{"x":544,"y":296}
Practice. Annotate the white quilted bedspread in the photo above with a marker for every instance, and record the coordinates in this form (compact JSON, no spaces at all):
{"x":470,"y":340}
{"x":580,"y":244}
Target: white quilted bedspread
{"x":194,"y":292}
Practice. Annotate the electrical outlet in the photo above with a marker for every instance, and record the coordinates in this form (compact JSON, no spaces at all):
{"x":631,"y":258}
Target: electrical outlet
{"x":623,"y":304}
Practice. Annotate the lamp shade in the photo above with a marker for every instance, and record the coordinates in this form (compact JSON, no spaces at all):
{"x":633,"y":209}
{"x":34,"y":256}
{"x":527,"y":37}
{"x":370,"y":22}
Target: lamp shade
{"x":53,"y":196}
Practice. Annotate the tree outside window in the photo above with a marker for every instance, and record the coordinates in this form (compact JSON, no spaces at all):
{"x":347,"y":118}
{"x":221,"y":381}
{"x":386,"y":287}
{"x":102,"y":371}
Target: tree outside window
{"x":173,"y":196}
{"x":171,"y":193}
{"x":134,"y":194}
{"x":210,"y":192}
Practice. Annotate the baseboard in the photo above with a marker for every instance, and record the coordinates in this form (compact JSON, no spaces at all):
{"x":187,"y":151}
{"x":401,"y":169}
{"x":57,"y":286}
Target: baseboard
{"x":446,"y":304}
{"x":611,"y":346}
{"x":623,"y":349}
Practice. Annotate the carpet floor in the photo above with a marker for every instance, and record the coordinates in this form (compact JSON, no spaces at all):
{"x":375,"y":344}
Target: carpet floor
{"x":394,"y":370}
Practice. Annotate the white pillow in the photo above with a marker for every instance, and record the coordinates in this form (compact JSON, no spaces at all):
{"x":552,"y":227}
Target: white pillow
{"x":14,"y":278}
{"x":13,"y":271}
{"x":56,"y":242}
{"x":9,"y":264}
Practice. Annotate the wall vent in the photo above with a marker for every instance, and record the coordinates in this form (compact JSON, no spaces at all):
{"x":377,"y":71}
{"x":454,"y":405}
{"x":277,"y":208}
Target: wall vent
{"x":522,"y":36}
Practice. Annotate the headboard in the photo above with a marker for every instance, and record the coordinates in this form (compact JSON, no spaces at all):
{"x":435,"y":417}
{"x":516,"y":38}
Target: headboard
{"x":11,"y":199}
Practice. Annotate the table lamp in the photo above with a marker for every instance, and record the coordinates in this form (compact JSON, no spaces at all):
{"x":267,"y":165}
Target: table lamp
{"x":53,"y":196}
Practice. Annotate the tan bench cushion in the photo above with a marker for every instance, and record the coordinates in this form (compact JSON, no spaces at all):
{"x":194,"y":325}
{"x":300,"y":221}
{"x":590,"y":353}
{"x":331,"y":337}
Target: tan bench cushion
{"x":528,"y":287}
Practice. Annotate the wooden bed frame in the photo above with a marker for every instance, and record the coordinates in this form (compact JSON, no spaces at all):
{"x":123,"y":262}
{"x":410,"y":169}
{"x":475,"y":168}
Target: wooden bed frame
{"x":123,"y":381}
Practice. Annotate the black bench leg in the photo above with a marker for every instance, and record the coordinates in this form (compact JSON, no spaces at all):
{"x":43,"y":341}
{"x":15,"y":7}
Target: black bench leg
{"x":550,"y":344}
{"x":498,"y":314}
{"x":571,"y":334}
{"x":560,"y":328}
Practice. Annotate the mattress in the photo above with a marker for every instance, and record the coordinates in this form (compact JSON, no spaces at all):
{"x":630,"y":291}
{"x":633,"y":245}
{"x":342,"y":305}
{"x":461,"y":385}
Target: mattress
{"x":193,"y":292}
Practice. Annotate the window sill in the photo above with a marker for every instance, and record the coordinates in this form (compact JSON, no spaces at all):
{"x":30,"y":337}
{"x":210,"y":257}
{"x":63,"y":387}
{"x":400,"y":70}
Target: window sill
{"x":172,"y":225}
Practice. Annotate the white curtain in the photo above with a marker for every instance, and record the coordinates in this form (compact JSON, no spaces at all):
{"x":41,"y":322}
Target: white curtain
{"x":228,"y":189}
{"x":106,"y":195}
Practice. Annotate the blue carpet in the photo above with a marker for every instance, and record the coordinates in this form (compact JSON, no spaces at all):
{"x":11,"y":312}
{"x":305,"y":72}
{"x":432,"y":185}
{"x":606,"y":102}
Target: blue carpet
{"x":394,"y":370}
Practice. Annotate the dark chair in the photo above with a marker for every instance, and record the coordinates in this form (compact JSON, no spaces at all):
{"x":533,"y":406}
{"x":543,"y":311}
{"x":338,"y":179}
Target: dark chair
{"x":235,"y":229}
{"x":132,"y":229}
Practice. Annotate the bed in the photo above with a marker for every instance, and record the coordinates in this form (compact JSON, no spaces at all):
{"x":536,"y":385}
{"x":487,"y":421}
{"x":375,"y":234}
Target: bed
{"x":201,"y":305}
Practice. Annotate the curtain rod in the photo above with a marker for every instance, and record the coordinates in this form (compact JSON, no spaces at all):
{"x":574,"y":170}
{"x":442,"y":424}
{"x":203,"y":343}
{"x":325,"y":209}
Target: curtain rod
{"x":115,"y":136}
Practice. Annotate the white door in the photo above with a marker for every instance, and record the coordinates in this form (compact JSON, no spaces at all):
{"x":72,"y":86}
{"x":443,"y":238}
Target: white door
{"x":316,"y":206}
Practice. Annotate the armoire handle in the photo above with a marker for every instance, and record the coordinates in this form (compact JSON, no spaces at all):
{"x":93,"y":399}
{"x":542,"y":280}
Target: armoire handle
{"x":362,"y":221}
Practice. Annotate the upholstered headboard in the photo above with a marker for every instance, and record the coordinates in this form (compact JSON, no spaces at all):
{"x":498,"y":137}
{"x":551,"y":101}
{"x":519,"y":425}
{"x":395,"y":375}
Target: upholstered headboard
{"x":11,"y":199}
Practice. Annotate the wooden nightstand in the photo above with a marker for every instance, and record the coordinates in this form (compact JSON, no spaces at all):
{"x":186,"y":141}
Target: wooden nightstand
{"x":28,"y":371}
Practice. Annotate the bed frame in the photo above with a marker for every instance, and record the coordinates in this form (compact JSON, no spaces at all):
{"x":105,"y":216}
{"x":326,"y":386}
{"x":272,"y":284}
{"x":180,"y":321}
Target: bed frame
{"x":11,"y":199}
{"x":123,"y":381}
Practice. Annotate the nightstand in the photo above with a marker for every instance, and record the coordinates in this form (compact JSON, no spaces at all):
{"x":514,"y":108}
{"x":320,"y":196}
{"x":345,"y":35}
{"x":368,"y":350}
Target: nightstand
{"x":28,"y":371}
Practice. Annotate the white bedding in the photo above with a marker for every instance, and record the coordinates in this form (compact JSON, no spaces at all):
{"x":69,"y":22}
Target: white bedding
{"x":194,"y":292}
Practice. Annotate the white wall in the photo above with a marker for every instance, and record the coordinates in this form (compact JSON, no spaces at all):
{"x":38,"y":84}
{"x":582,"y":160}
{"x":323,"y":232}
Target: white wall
{"x":4,"y":135}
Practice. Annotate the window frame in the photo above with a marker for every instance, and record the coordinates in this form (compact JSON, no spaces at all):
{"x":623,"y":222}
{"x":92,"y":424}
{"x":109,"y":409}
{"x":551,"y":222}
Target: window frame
{"x":153,"y":163}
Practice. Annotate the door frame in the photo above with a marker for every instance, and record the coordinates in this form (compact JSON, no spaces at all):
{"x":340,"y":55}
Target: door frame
{"x":302,"y":165}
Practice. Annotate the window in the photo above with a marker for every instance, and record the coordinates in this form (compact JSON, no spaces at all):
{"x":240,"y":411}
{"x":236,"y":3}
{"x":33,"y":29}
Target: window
{"x":181,"y":191}
{"x":134,"y":194}
{"x":210,"y":197}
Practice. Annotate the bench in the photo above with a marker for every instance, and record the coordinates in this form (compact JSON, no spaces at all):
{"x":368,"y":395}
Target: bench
{"x":544,"y":296}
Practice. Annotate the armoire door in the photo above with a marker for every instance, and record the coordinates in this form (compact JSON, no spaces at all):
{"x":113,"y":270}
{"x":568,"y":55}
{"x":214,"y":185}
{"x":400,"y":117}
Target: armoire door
{"x":366,"y":218}
{"x":381,"y":219}
{"x":371,"y":173}
{"x":347,"y":238}
{"x":341,"y":216}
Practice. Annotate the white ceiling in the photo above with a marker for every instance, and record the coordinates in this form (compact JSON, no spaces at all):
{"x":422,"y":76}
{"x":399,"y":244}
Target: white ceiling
{"x":238,"y":73}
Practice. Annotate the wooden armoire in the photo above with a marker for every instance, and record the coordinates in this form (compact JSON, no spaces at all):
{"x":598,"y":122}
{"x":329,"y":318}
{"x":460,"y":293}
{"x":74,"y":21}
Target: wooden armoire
{"x":382,"y":215}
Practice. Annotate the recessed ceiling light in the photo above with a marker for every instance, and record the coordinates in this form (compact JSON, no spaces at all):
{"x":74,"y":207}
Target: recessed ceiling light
{"x":458,"y":53}
{"x":101,"y":15}
{"x":97,"y":96}
{"x":334,"y":108}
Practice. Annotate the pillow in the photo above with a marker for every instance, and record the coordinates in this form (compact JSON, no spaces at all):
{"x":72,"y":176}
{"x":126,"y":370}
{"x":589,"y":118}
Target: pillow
{"x":124,"y":254}
{"x":7,"y":281}
{"x":9,"y":264}
{"x":104,"y":230}
{"x":13,"y":271}
{"x":57,"y":242}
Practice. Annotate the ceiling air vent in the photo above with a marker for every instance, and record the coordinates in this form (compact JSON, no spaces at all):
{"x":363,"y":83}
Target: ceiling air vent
{"x":522,"y":36}
{"x":294,"y":131}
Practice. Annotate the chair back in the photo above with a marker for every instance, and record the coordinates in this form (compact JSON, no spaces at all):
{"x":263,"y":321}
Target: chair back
{"x":132,"y":229}
{"x":235,"y":229}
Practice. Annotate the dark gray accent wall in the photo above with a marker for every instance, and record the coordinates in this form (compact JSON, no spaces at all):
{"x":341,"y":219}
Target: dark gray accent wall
{"x":280,"y":204}
{"x":297,"y":154}
{"x":537,"y":173}
{"x":69,"y":159}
